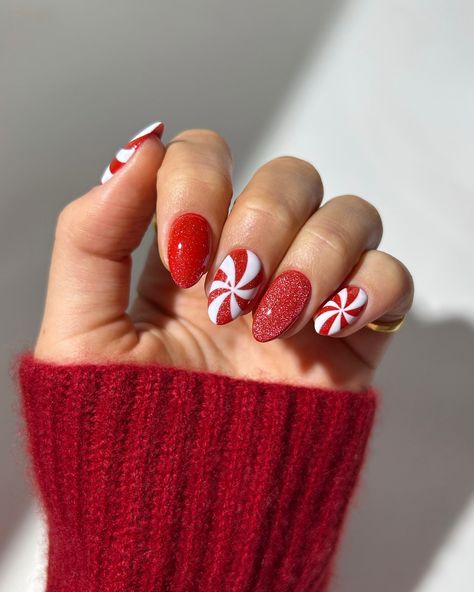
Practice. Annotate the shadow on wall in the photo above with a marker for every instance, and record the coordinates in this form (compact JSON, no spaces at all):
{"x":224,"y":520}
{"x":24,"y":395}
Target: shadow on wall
{"x":419,"y":476}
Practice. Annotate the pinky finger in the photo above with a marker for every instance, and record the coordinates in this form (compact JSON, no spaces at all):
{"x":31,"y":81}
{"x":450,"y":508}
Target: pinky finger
{"x":379,"y":288}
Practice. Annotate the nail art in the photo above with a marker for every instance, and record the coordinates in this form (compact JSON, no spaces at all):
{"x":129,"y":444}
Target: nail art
{"x":281,"y":305}
{"x":341,"y":310}
{"x":235,"y":286}
{"x":189,"y":248}
{"x":125,"y":153}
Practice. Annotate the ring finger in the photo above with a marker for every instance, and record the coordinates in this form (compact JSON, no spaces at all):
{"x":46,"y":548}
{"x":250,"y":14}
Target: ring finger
{"x":322,"y":255}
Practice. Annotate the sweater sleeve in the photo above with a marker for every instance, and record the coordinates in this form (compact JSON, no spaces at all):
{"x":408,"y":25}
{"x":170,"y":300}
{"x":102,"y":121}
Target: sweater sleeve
{"x":157,"y":479}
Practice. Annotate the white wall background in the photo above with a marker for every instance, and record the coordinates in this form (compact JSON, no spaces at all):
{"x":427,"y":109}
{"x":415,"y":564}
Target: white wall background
{"x":379,"y":94}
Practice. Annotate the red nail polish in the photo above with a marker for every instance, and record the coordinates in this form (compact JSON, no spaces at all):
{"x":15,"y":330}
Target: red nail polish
{"x":189,"y":248}
{"x":235,"y":286}
{"x":125,"y":153}
{"x":281,"y":305}
{"x":343,"y":309}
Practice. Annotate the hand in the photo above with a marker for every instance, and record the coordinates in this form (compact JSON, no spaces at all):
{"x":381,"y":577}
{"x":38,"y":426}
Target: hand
{"x":277,"y":226}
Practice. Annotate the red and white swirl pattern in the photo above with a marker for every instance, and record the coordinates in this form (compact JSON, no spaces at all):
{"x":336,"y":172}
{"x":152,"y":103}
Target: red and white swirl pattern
{"x":339,"y":312}
{"x":235,"y":285}
{"x":125,"y":153}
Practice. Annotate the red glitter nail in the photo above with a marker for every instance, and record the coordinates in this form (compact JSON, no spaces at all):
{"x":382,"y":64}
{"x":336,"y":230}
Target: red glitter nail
{"x":189,"y":248}
{"x":281,"y":305}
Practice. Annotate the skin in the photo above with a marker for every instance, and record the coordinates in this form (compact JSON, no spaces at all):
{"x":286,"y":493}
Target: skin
{"x":279,"y":216}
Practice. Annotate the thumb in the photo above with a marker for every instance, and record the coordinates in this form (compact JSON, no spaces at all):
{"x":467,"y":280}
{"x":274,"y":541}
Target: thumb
{"x":89,"y":279}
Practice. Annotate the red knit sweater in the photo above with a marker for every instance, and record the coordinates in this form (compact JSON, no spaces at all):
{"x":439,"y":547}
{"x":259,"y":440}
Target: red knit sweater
{"x":157,"y":479}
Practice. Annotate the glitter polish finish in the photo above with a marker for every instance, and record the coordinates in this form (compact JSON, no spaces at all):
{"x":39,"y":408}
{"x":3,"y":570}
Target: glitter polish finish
{"x":281,"y":305}
{"x":343,"y":309}
{"x":235,"y":286}
{"x":189,"y":248}
{"x":125,"y":154}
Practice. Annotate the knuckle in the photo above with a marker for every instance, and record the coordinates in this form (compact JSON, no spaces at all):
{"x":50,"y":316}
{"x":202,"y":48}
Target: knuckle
{"x":212,"y":136}
{"x":358,"y":203}
{"x":204,"y":179}
{"x":353,"y":201}
{"x":67,"y":219}
{"x":77,"y":224}
{"x":399,"y":274}
{"x":265,"y":206}
{"x":404,"y":277}
{"x":364,"y":210}
{"x":299,"y":166}
{"x":331,"y":236}
{"x":203,"y":135}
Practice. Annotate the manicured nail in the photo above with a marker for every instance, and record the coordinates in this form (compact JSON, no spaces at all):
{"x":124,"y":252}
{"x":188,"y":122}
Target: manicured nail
{"x":189,"y":248}
{"x":234,"y":286}
{"x":341,"y":310}
{"x":126,"y":153}
{"x":281,"y":305}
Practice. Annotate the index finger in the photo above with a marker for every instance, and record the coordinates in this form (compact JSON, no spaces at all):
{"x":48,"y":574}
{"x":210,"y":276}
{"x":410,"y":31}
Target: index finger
{"x":194,"y":189}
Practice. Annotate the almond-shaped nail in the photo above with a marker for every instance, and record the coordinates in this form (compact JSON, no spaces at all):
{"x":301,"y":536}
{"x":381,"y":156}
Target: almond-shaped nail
{"x":189,"y":248}
{"x":126,"y":153}
{"x":343,"y":309}
{"x":281,"y":305}
{"x":235,"y":286}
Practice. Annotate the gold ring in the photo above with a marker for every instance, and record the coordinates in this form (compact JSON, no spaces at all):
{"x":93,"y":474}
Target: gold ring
{"x":386,"y":326}
{"x":153,"y":222}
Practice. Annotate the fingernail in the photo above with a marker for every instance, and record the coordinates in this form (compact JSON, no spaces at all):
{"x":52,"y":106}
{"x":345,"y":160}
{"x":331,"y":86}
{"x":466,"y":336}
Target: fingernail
{"x":281,"y":305}
{"x":341,"y":310}
{"x":234,"y":286}
{"x":125,"y":153}
{"x":189,"y":248}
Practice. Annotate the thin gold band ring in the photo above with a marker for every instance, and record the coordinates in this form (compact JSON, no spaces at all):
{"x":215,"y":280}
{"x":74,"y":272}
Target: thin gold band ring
{"x":386,"y":326}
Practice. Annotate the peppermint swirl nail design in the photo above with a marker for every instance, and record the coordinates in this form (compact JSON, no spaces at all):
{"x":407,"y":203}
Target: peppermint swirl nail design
{"x":235,"y":285}
{"x":125,"y":153}
{"x":341,"y":310}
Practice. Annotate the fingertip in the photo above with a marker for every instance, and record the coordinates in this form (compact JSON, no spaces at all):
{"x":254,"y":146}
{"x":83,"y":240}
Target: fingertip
{"x":125,"y":154}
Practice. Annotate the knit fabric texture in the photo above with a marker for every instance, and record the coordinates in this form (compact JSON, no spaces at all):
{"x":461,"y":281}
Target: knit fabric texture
{"x":157,"y":479}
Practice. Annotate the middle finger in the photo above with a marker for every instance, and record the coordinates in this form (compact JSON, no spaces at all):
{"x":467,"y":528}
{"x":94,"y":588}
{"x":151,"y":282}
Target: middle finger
{"x":261,"y":226}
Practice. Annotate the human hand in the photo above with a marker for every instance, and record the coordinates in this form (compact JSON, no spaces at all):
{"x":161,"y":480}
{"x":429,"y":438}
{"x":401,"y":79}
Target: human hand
{"x":277,"y":226}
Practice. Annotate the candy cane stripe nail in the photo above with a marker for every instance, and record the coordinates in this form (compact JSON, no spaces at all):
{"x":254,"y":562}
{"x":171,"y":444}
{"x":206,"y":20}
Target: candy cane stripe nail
{"x":125,"y":153}
{"x":342,"y":310}
{"x":235,"y":285}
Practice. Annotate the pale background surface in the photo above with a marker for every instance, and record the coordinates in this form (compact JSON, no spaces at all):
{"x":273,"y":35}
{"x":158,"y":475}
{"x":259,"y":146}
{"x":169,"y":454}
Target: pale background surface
{"x":379,"y":94}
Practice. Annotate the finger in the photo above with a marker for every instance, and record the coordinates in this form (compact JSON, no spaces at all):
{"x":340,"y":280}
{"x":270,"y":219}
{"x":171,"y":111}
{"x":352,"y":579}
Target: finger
{"x":321,"y":256}
{"x":379,"y":287}
{"x":194,"y":191}
{"x":264,"y":221}
{"x":90,"y":269}
{"x":388,"y":286}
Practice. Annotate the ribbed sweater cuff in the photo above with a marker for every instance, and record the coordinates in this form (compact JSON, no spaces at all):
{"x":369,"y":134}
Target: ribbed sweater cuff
{"x":159,"y":479}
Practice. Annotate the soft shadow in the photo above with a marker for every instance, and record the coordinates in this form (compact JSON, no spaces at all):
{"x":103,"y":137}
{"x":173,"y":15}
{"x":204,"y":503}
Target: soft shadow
{"x":14,"y":494}
{"x":419,"y":475}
